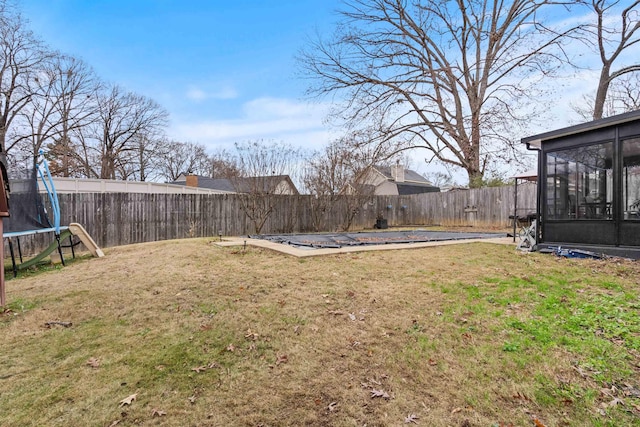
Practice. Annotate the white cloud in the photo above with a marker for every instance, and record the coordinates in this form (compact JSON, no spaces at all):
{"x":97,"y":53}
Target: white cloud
{"x":199,"y":94}
{"x":297,"y":123}
{"x":275,"y":107}
{"x":196,"y":94}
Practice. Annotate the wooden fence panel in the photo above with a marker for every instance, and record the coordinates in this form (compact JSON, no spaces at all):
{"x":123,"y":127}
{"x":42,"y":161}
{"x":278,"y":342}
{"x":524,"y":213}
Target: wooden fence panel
{"x":115,"y":219}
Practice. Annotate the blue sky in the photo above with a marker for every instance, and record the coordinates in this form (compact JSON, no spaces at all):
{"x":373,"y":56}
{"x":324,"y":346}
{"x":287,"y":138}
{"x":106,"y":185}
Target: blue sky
{"x":225,"y":70}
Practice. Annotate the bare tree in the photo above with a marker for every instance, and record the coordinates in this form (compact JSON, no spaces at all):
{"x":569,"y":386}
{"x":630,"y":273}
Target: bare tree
{"x":182,"y":157}
{"x":144,"y":161}
{"x":21,"y":57}
{"x":63,"y":100}
{"x":338,"y":180}
{"x":263,"y":176}
{"x":440,"y":179}
{"x":222,"y":165}
{"x":124,"y":117}
{"x":76,"y":88}
{"x":443,"y":75}
{"x":623,"y":95}
{"x":612,"y":42}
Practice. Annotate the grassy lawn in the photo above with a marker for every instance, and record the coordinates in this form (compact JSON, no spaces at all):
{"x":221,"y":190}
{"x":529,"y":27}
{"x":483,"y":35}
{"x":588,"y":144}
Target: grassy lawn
{"x":185,"y":333}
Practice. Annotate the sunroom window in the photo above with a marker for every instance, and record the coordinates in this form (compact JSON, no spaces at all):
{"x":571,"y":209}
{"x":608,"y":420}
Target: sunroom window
{"x":631,"y":178}
{"x":580,"y":183}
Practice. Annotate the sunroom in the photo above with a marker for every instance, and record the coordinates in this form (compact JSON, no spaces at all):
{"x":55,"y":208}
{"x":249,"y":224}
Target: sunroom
{"x":589,"y":186}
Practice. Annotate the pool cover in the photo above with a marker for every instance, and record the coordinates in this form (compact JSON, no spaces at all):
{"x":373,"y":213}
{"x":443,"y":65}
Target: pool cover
{"x":339,"y":240}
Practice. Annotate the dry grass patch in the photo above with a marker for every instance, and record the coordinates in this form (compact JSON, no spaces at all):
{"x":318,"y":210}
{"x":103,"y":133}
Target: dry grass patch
{"x":466,"y":335}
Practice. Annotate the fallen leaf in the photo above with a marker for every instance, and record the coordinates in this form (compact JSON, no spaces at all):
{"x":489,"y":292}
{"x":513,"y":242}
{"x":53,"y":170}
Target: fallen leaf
{"x":520,"y":396}
{"x":251,"y":335}
{"x":281,"y":358}
{"x":199,"y":369}
{"x":55,"y":322}
{"x":115,"y":423}
{"x":538,"y":423}
{"x":456,"y":410}
{"x":93,"y":362}
{"x":128,"y":400}
{"x":432,"y":362}
{"x":379,"y":393}
{"x":616,"y":402}
{"x":332,"y":406}
{"x":231,"y":347}
{"x":212,"y":365}
{"x":352,"y":317}
{"x":192,"y":399}
{"x":411,"y":418}
{"x":157,"y":413}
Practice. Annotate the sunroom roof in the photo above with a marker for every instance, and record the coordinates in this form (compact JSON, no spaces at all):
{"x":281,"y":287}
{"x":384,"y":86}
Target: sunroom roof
{"x":535,"y":141}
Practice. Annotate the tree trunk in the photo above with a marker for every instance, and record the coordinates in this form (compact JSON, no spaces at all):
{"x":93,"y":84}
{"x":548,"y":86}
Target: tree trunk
{"x":601,"y":94}
{"x":3,"y":133}
{"x":107,"y":170}
{"x":473,"y":155}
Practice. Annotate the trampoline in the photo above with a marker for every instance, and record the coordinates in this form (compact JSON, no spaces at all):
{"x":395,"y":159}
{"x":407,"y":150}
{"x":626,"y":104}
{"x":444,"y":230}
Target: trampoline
{"x":30,"y":215}
{"x":341,"y":240}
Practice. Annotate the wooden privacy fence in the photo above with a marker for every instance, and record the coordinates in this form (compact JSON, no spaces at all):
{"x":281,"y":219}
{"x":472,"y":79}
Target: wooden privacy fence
{"x":114,"y":219}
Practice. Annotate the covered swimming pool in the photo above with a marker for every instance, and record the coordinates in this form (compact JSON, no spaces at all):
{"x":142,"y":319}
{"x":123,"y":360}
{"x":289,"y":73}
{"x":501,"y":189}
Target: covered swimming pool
{"x":366,"y":238}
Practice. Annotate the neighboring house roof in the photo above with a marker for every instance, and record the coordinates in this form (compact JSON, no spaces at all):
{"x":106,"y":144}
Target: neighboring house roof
{"x":397,"y":180}
{"x":409,"y":175}
{"x":278,"y":184}
{"x":221,"y":184}
{"x":407,"y":188}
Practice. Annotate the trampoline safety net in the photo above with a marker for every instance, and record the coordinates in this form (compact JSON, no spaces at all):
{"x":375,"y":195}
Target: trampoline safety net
{"x":26,"y":205}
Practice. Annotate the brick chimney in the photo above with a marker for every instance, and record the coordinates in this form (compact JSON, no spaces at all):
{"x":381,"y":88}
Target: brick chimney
{"x":192,"y":180}
{"x":397,"y":172}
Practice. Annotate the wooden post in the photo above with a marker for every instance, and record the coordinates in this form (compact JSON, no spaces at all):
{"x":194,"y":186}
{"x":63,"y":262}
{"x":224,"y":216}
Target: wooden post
{"x":3,"y":296}
{"x":4,"y":212}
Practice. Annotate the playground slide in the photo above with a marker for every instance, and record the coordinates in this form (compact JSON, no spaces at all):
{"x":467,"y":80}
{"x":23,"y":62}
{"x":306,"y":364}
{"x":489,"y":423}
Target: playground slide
{"x":42,"y":255}
{"x":78,"y":230}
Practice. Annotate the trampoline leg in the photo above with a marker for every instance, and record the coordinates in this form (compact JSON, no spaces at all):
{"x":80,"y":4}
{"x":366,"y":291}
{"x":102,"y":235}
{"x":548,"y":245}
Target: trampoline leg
{"x":73,"y":252}
{"x":19,"y":249}
{"x":60,"y":249}
{"x":13,"y":259}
